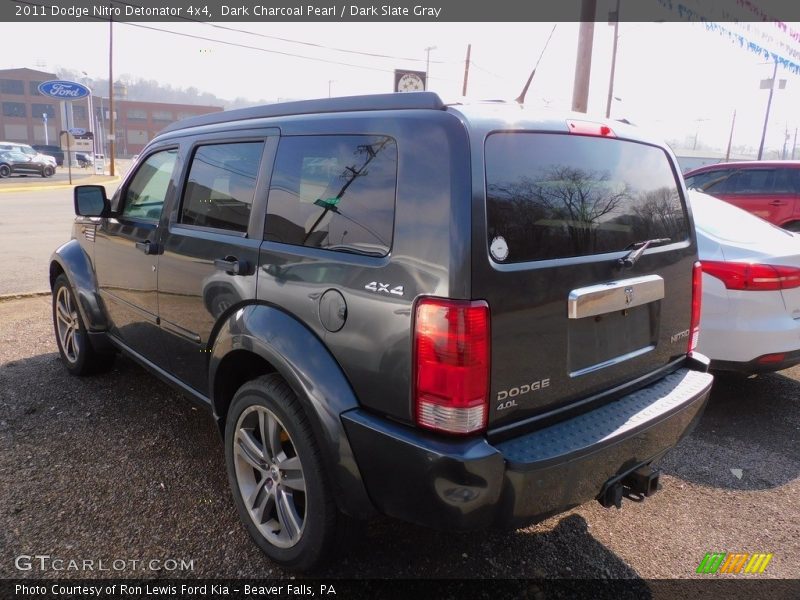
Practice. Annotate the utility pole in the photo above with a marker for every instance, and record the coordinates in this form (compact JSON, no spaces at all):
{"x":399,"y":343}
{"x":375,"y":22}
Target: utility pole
{"x":90,"y":108}
{"x":697,"y":133}
{"x":786,"y":137}
{"x":730,"y":138}
{"x":613,"y":62}
{"x":769,"y":104}
{"x":583,"y":64}
{"x":330,"y":81}
{"x":466,"y":71}
{"x":428,"y":64}
{"x":111,"y":94}
{"x":794,"y":145}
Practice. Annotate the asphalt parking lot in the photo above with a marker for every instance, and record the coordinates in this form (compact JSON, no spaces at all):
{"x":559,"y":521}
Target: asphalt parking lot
{"x":119,"y":466}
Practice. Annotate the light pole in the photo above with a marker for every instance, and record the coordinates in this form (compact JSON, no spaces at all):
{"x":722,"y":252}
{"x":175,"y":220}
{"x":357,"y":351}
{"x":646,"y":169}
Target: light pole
{"x":90,"y":108}
{"x":613,"y":62}
{"x":44,"y":118}
{"x":330,"y":81}
{"x":583,"y":61}
{"x":730,"y":138}
{"x":697,"y":133}
{"x":772,"y":83}
{"x":428,"y":64}
{"x":111,"y":170}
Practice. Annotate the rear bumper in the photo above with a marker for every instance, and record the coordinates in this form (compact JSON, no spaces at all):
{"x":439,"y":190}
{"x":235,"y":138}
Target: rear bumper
{"x":470,"y":484}
{"x":762,"y":364}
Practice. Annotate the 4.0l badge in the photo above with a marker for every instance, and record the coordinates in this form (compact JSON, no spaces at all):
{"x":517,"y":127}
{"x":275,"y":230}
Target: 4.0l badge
{"x":503,"y":395}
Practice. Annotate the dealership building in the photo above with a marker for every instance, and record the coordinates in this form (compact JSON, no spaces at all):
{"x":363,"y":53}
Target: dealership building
{"x":28,"y":116}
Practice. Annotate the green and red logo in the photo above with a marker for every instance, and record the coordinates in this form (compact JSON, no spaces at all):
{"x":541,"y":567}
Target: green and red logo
{"x":734,"y":562}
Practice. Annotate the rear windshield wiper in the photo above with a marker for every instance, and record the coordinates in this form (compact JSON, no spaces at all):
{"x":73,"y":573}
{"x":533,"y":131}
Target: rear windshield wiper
{"x":636,"y":251}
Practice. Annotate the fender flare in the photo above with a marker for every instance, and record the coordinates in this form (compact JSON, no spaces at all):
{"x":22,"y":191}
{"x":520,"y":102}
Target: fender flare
{"x":314,"y":375}
{"x":76,"y":264}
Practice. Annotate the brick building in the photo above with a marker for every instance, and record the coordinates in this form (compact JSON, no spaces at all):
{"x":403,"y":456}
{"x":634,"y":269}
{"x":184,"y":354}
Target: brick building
{"x":22,"y":107}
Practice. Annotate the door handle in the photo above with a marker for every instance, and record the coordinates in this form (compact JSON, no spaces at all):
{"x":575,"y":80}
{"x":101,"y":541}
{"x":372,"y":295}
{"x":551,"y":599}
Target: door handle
{"x":232,"y":265}
{"x":147,"y":247}
{"x":777,"y":203}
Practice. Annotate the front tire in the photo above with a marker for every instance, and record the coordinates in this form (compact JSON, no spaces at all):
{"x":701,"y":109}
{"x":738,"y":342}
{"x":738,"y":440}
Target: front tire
{"x":48,"y":171}
{"x":277,"y":476}
{"x":77,"y":353}
{"x":5,"y":171}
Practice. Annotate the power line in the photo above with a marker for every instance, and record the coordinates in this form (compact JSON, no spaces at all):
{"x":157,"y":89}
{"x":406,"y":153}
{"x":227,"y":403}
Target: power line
{"x":480,"y":68}
{"x":314,"y":45}
{"x":267,"y":50}
{"x":248,"y":47}
{"x":256,"y":48}
{"x":288,"y":40}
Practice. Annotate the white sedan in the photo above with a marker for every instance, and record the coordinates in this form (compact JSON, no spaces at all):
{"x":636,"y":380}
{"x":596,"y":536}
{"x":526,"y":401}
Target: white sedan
{"x":750,"y":318}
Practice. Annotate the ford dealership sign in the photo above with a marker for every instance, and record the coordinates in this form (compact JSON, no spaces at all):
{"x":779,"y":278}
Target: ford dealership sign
{"x":64,"y":90}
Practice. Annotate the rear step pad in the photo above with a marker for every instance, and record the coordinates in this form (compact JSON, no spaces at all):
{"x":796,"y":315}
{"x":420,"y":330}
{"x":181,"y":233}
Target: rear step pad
{"x":605,"y":424}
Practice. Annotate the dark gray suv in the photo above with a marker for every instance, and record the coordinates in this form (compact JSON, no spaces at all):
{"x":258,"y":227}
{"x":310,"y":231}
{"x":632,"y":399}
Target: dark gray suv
{"x":462,"y":316}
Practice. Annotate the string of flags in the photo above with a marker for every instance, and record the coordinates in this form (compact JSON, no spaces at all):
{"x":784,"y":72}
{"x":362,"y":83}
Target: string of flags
{"x":689,"y":14}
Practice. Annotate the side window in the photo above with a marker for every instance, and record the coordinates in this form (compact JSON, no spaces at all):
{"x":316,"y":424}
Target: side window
{"x":710,"y":181}
{"x":787,"y":181}
{"x":221,"y":185}
{"x":751,"y":181}
{"x":335,"y":192}
{"x":146,"y":192}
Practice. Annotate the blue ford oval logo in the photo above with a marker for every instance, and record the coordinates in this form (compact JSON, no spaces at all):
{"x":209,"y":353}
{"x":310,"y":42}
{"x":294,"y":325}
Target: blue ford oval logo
{"x":64,"y":90}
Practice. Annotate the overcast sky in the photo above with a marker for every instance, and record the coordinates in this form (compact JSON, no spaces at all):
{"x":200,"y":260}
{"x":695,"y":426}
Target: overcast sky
{"x":678,"y":79}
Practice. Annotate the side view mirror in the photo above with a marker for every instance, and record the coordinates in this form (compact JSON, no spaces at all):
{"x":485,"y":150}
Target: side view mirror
{"x":91,"y":201}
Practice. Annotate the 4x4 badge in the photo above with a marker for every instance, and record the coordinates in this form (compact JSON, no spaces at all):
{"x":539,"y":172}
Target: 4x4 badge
{"x":375,"y":286}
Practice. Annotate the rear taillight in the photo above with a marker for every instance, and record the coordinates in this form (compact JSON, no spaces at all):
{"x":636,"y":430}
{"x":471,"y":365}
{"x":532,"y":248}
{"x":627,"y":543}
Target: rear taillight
{"x":697,"y":295}
{"x":451,"y":364}
{"x":771,"y":359}
{"x":753,"y":277}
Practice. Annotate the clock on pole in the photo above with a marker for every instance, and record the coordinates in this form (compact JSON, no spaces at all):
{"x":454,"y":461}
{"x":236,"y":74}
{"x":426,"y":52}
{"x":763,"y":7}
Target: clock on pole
{"x":409,"y":81}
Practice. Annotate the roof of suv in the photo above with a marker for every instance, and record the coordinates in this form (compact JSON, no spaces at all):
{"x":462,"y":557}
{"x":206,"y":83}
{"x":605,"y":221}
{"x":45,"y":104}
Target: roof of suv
{"x":417,"y":100}
{"x":484,"y":116}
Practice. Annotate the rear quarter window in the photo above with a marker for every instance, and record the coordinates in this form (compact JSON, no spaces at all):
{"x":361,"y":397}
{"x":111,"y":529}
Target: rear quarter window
{"x":335,"y":192}
{"x":559,"y":195}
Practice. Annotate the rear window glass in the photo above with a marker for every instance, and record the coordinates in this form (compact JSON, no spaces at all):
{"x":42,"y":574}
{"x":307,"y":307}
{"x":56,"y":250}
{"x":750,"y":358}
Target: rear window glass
{"x":558,"y":196}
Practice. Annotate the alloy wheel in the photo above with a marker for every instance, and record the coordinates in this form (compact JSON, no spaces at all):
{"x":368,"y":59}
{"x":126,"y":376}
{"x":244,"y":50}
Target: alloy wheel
{"x":270,"y":476}
{"x":68,"y":325}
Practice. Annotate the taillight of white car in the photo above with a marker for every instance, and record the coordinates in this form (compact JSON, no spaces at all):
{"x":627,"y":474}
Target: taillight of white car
{"x":753,"y":277}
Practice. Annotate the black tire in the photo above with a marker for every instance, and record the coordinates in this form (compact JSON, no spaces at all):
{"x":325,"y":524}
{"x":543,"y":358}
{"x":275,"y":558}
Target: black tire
{"x":794,"y":226}
{"x":48,"y":171}
{"x":74,"y":346}
{"x":5,"y":170}
{"x":322,"y":525}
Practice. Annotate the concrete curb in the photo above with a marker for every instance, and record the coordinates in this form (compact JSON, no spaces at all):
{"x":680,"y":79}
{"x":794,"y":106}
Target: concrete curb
{"x":22,"y":295}
{"x":90,"y":179}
